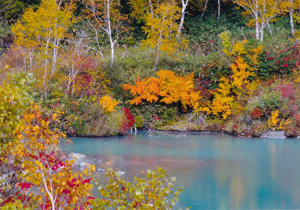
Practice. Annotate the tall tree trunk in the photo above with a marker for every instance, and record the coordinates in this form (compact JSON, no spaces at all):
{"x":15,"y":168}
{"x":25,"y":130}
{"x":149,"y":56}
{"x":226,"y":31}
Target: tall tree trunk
{"x":156,"y":60}
{"x":54,"y":58}
{"x":184,"y":5}
{"x":112,"y":48}
{"x":257,"y":29}
{"x":256,"y":20}
{"x":291,"y":11}
{"x":219,"y":8}
{"x":205,"y":6}
{"x":151,"y":9}
{"x":109,"y":33}
{"x":270,"y":29}
{"x":45,"y":70}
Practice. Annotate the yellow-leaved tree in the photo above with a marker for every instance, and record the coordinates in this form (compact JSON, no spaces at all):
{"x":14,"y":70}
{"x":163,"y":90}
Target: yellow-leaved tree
{"x":161,"y":30}
{"x":42,"y":30}
{"x":233,"y":91}
{"x":105,"y":16}
{"x":262,"y":12}
{"x":35,"y":149}
{"x":108,"y":103}
{"x":161,"y":26}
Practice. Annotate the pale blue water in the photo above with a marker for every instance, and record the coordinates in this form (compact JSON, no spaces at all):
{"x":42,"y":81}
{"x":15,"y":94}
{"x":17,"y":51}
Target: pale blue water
{"x":216,"y":171}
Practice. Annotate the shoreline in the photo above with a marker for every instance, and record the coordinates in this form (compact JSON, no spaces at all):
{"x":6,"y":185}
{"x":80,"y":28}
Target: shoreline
{"x":186,"y":132}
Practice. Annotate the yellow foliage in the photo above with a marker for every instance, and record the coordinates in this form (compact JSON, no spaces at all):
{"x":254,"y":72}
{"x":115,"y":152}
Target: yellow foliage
{"x":169,"y":87}
{"x":226,"y":42}
{"x":36,"y":148}
{"x":232,"y":92}
{"x":273,"y":120}
{"x":108,"y":103}
{"x":222,"y":102}
{"x":40,"y":31}
{"x":161,"y":29}
{"x":262,"y":12}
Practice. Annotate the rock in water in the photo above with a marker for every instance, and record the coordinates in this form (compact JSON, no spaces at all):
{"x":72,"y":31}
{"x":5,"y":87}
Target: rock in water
{"x":84,"y":164}
{"x":275,"y":135}
{"x":77,"y":156}
{"x":120,"y":172}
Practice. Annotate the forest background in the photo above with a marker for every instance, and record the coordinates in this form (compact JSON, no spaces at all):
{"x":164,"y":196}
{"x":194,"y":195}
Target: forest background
{"x":106,"y":66}
{"x":102,"y":67}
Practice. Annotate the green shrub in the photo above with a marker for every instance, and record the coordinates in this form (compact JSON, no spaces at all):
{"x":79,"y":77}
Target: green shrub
{"x":152,"y":192}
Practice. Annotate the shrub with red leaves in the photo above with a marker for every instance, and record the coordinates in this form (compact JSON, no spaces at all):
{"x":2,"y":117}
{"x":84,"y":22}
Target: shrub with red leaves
{"x":129,"y":117}
{"x":256,"y":113}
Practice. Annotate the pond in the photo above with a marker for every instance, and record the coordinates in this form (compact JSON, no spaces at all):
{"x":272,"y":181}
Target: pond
{"x":216,"y":171}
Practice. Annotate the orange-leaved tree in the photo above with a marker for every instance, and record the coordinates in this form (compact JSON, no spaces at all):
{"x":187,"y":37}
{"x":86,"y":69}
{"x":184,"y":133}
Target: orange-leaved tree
{"x":168,"y":88}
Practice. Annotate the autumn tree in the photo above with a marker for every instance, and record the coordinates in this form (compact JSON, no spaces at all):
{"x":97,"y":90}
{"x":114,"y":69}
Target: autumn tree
{"x":294,"y":13}
{"x":262,"y":12}
{"x":184,"y":4}
{"x":35,"y":148}
{"x":15,"y":97}
{"x":11,"y":10}
{"x":105,"y":16}
{"x":42,"y":30}
{"x":234,"y":90}
{"x":161,"y":29}
{"x":74,"y":60}
{"x":168,"y":88}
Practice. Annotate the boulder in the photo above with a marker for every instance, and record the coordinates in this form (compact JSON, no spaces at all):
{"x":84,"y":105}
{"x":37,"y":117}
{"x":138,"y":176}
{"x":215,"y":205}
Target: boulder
{"x":120,"y":172}
{"x":77,"y":156}
{"x":275,"y":135}
{"x":84,"y":164}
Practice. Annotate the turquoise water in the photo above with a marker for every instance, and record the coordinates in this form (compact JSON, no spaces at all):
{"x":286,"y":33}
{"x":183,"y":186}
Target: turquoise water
{"x":216,"y":171}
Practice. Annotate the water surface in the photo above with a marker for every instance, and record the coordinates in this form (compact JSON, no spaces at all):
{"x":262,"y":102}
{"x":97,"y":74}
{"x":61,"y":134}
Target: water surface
{"x":216,"y":171}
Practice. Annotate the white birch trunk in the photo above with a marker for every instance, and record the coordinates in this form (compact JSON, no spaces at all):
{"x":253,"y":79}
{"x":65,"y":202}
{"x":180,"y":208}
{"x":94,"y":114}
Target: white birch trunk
{"x":291,"y":11}
{"x":204,"y":8}
{"x":151,"y":9}
{"x":270,"y":29}
{"x":46,"y":66}
{"x":219,"y":8}
{"x":256,"y":20}
{"x":109,"y":33}
{"x":256,"y":29}
{"x":184,"y":5}
{"x":55,"y":49}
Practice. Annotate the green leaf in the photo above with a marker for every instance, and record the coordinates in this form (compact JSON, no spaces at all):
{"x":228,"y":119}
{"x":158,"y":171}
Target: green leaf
{"x":173,"y":179}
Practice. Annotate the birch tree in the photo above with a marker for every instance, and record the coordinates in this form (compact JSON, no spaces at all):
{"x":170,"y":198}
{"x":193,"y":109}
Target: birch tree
{"x":183,"y":12}
{"x":291,"y":13}
{"x":161,"y":29}
{"x":141,"y":9}
{"x":261,"y":13}
{"x":43,"y":30}
{"x":105,"y":15}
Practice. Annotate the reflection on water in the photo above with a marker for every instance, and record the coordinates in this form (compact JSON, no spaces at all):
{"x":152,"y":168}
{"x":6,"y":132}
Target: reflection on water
{"x":216,"y":171}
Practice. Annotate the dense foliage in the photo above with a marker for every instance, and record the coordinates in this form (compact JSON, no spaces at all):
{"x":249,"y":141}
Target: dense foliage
{"x":99,"y":68}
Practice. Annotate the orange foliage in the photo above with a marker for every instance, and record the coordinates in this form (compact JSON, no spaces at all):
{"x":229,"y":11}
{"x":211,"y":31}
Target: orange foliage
{"x":168,"y":87}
